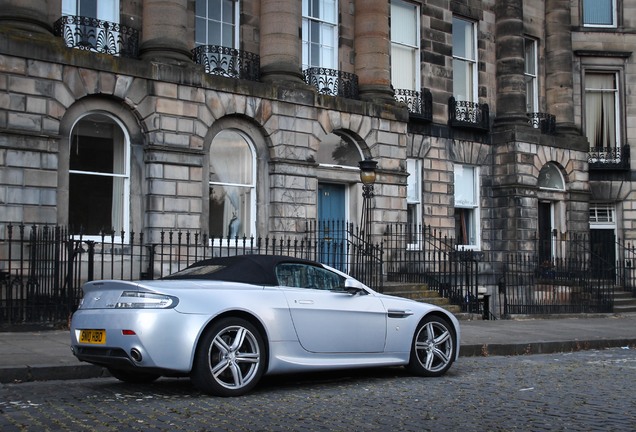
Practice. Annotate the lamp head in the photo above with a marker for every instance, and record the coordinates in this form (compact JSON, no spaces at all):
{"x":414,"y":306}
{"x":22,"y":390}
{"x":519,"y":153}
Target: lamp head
{"x":367,"y":171}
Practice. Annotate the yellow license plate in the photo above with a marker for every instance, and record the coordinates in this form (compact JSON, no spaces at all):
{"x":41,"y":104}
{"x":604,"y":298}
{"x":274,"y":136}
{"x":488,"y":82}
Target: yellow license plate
{"x":93,"y":336}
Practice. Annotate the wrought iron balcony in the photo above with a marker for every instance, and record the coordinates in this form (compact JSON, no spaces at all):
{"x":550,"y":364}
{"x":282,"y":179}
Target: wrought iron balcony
{"x":332,"y":82}
{"x":543,"y":121}
{"x":468,"y":114}
{"x":419,"y":103}
{"x":609,"y":158}
{"x":228,"y":62}
{"x":99,"y":36}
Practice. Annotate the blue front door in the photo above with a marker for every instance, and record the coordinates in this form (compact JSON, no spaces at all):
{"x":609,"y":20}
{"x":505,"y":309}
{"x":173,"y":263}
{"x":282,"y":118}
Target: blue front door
{"x":331,"y":225}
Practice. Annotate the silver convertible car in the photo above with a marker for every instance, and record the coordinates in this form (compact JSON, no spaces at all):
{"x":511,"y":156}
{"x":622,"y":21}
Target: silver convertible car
{"x":225,"y":322}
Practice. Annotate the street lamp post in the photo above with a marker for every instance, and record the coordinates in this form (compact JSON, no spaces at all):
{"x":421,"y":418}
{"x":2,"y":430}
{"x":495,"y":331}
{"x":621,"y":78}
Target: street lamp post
{"x":367,"y":176}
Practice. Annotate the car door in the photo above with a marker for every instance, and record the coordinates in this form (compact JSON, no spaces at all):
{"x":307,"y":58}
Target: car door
{"x":328,"y":319}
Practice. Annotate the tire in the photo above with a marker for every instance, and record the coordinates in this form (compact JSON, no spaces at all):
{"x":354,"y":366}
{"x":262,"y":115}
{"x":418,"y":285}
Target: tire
{"x":433,"y":347}
{"x":230,"y":359}
{"x":135,"y":377}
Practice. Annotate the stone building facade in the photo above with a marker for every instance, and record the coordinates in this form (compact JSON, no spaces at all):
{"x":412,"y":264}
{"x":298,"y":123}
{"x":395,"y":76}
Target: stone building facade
{"x":479,"y":114}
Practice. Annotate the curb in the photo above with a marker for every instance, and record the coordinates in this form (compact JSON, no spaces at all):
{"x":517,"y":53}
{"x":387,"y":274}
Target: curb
{"x":26,"y":373}
{"x":13,"y":374}
{"x":486,"y":350}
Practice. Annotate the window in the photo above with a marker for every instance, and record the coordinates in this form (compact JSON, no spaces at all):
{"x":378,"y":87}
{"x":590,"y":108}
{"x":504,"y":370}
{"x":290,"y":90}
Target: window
{"x":550,"y":177}
{"x":99,"y":176}
{"x":308,"y":276}
{"x":599,"y":13}
{"x":530,"y":75}
{"x":467,"y":206}
{"x":320,"y":34}
{"x":602,"y":214}
{"x":105,"y":10}
{"x":339,"y":151}
{"x":216,"y":23}
{"x":601,"y":109}
{"x":414,"y":199}
{"x":405,"y":52}
{"x":464,"y":60}
{"x":232,"y":185}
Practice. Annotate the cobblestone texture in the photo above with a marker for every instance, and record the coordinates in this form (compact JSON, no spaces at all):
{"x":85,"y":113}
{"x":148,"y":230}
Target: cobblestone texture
{"x":591,"y":390}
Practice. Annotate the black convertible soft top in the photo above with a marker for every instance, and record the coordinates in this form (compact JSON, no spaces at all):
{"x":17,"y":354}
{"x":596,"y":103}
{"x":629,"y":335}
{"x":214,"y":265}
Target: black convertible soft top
{"x":250,"y":269}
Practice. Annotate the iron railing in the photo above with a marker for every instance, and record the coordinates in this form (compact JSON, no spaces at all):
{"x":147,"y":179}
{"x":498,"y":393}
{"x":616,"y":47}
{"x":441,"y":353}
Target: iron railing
{"x":419,"y":103}
{"x":569,"y":275}
{"x":99,"y":36}
{"x":42,"y":268}
{"x":531,"y":286}
{"x":467,"y":114}
{"x":545,"y":122}
{"x":609,"y":158}
{"x":332,"y":82}
{"x":420,"y":254}
{"x":228,"y":62}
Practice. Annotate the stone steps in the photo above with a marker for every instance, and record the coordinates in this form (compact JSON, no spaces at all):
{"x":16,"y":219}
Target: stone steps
{"x":421,"y":293}
{"x":624,"y":302}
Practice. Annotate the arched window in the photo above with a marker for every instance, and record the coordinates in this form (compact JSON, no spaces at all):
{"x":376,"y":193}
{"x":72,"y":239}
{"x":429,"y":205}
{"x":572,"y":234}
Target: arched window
{"x":232,"y":185}
{"x":550,"y":178}
{"x":99,"y":175}
{"x":335,"y":150}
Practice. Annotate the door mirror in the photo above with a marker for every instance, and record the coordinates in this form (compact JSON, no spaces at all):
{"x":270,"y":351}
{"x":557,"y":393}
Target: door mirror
{"x":354,"y":287}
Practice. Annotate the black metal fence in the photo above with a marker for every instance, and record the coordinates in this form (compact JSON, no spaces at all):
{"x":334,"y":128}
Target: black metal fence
{"x":420,"y":254}
{"x":228,"y":62}
{"x":42,"y":268}
{"x":573,"y":279}
{"x":555,"y":286}
{"x":99,"y":36}
{"x":332,"y":82}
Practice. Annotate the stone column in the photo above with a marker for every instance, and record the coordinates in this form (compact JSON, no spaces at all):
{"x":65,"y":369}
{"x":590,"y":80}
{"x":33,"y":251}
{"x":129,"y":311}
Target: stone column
{"x":280,"y":48}
{"x":29,"y":15}
{"x":166,"y":33}
{"x":373,"y":50}
{"x":558,"y":61}
{"x":510,"y":54}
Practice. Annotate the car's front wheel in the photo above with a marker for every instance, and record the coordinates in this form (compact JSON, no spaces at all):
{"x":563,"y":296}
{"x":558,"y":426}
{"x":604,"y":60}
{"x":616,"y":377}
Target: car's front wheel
{"x":230,"y":358}
{"x":433,"y":347}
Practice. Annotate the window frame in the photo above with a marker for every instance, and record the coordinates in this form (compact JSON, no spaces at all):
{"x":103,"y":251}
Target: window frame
{"x":468,"y":61}
{"x":532,"y":76}
{"x":616,"y":91}
{"x":547,"y":170}
{"x":252,"y":186}
{"x":126,"y":176}
{"x":596,"y":221}
{"x":304,"y":270}
{"x":474,"y":207}
{"x":206,"y":19}
{"x":614,"y":15}
{"x":414,"y":47}
{"x":322,"y":22}
{"x":109,"y":10}
{"x":414,"y":200}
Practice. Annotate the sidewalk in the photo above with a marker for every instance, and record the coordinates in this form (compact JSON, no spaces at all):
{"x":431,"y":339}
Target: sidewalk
{"x":45,"y":355}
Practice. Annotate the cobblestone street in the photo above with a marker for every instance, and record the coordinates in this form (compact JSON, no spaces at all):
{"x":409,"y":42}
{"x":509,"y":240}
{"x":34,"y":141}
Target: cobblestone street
{"x":588,"y":390}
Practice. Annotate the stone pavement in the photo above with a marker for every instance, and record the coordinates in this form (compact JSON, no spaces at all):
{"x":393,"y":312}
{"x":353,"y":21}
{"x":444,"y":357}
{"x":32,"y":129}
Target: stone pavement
{"x":45,"y":355}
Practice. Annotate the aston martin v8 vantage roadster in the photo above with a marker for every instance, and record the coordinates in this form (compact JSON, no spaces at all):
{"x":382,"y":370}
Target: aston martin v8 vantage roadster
{"x":225,"y":322}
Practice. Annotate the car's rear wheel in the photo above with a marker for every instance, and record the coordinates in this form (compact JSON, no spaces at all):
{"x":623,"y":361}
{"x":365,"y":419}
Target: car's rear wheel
{"x":230,"y":358}
{"x":133,"y":376}
{"x":433,"y":348}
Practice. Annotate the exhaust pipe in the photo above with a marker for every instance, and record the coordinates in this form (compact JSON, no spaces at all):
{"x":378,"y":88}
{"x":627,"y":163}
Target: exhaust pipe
{"x":135,"y":354}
